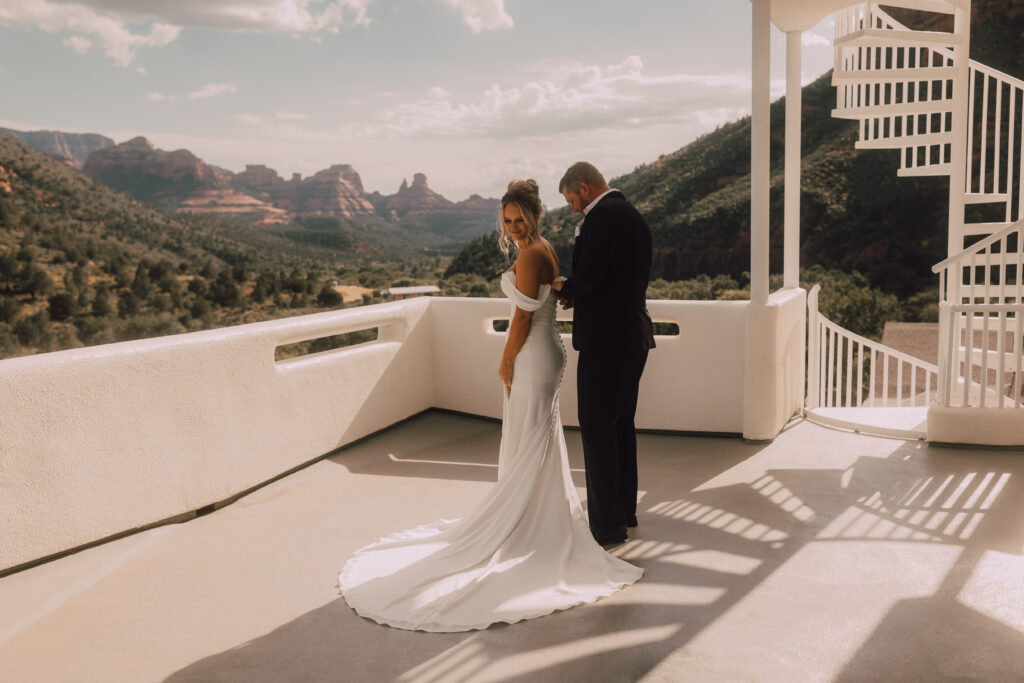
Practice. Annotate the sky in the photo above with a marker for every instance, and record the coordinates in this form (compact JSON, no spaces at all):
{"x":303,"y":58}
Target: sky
{"x":472,"y":93}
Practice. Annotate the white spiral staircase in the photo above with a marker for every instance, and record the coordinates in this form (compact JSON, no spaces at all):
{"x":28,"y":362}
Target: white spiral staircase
{"x":917,"y":91}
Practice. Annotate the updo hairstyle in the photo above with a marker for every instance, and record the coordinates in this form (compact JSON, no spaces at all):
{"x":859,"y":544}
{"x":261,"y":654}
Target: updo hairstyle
{"x":526,"y":195}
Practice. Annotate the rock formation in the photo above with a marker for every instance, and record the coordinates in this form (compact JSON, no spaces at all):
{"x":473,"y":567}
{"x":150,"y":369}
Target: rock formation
{"x":336,"y":191}
{"x":180,"y":180}
{"x":415,"y":197}
{"x":71,"y":148}
{"x":154,"y":175}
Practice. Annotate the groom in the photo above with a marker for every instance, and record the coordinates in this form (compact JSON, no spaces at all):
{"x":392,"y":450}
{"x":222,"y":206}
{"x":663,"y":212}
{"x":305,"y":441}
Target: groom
{"x":611,"y":264}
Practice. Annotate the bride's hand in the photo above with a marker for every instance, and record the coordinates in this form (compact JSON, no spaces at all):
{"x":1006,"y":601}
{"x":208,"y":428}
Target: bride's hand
{"x":505,"y":373}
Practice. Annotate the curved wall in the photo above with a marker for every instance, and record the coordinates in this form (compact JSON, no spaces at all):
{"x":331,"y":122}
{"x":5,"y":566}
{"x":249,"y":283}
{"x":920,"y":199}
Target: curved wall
{"x":97,"y":441}
{"x":100,"y":440}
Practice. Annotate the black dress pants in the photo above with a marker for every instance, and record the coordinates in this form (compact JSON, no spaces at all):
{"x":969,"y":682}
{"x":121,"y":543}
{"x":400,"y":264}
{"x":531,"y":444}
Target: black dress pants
{"x":607,"y":386}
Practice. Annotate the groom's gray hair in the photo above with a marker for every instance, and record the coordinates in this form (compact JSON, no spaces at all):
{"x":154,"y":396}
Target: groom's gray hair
{"x":580,"y":172}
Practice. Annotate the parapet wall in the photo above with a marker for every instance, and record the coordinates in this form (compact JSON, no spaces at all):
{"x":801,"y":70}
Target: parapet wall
{"x":102,"y":440}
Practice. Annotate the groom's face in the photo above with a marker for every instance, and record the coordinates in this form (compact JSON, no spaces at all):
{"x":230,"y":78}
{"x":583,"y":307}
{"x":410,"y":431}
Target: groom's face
{"x":574,"y":199}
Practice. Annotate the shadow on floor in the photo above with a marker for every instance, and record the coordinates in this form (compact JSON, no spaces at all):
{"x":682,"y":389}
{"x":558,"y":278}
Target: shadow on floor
{"x":704,"y":550}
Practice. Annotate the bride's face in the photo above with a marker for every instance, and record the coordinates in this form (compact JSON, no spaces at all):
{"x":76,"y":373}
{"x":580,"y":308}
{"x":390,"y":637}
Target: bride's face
{"x":514,"y":222}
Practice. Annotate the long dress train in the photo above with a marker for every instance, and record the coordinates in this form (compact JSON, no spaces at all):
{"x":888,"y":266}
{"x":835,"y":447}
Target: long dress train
{"x":526,"y":550}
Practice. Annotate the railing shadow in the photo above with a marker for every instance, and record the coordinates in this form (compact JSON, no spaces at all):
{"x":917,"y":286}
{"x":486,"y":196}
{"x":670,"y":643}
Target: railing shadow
{"x":705,"y":550}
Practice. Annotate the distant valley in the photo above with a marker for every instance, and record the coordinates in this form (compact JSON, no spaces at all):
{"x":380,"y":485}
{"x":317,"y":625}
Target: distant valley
{"x":180,"y":181}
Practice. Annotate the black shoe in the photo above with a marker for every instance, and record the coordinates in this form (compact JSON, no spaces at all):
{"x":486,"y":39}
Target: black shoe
{"x":631,"y":521}
{"x":609,"y":536}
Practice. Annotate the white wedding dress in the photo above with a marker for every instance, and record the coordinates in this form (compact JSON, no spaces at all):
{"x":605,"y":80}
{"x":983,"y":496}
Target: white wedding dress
{"x":526,"y":550}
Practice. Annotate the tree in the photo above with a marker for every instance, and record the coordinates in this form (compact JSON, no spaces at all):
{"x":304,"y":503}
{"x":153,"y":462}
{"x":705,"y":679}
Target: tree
{"x":101,"y":302}
{"x":142,"y":285}
{"x":9,"y":309}
{"x":34,"y":330}
{"x":37,"y":282}
{"x":328,"y":297}
{"x":128,"y":304}
{"x":162,"y":273}
{"x":199,"y":309}
{"x":8,"y":267}
{"x":62,"y":306}
{"x":224,"y":291}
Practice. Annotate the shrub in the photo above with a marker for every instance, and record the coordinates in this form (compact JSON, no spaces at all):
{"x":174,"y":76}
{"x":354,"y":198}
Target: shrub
{"x":9,"y":309}
{"x":62,"y":306}
{"x":329,"y":297}
{"x":34,"y":330}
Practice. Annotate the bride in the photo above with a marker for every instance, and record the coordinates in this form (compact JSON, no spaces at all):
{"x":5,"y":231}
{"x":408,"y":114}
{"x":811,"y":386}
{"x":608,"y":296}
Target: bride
{"x":526,"y":550}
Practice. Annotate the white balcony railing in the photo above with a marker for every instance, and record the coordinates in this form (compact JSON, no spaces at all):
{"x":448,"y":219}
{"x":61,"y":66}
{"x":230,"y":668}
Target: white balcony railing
{"x":988,"y":271}
{"x":981,"y":356}
{"x":98,"y":441}
{"x":846,"y":370}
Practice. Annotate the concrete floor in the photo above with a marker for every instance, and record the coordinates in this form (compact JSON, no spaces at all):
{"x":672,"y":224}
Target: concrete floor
{"x":822,"y":556}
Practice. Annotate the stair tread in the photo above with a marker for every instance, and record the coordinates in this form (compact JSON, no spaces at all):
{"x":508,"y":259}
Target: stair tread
{"x":879,"y":110}
{"x":984,"y":197}
{"x":900,"y":75}
{"x":940,"y":6}
{"x":885,"y":37}
{"x":905,"y":141}
{"x":925,"y":170}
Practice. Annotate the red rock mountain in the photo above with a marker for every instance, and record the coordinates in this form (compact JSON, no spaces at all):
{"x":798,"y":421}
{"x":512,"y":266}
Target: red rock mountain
{"x":417,"y":206}
{"x":71,"y":148}
{"x":336,"y":191}
{"x":415,"y":197}
{"x":154,"y":175}
{"x":179,"y":180}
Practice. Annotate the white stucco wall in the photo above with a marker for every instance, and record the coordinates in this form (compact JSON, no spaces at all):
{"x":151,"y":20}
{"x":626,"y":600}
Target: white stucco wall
{"x":692,"y":382}
{"x":100,"y":440}
{"x":989,"y":426}
{"x":773,"y":385}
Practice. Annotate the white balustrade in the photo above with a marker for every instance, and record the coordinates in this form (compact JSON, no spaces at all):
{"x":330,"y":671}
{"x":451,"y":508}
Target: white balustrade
{"x":846,"y":370}
{"x":981,"y":355}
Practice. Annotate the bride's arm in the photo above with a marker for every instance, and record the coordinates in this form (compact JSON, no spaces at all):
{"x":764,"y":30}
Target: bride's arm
{"x":528,"y":268}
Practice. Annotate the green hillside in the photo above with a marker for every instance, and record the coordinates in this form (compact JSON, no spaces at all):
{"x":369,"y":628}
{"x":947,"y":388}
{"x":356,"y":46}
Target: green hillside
{"x":81,"y":263}
{"x":857,"y":216}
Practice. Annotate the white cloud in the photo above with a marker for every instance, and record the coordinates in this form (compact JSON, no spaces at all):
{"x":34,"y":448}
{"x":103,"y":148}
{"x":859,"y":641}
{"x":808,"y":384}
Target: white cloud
{"x":584,"y":97}
{"x":115,"y":37}
{"x":290,"y":116}
{"x":80,"y":44}
{"x":123,"y":27}
{"x":815,"y":40}
{"x":300,"y":16}
{"x":483,"y":15}
{"x":141,"y":70}
{"x":248,"y":119}
{"x":212,"y":90}
{"x":160,"y":97}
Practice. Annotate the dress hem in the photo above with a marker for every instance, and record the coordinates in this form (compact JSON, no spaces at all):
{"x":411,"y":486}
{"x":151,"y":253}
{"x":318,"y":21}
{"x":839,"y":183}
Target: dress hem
{"x":458,"y":628}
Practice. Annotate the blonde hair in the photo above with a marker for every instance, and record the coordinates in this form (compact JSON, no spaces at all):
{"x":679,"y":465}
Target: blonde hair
{"x":524,"y":194}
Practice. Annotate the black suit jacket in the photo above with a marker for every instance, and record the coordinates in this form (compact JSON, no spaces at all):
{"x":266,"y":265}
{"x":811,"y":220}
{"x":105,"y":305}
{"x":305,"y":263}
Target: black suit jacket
{"x":611,"y":265}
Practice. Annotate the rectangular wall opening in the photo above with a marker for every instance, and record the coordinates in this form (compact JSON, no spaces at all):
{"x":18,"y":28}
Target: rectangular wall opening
{"x":309,"y":347}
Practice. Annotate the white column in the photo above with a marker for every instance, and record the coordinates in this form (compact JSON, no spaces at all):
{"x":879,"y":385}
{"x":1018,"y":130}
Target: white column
{"x":759,"y":150}
{"x":791,"y":250}
{"x":958,"y":150}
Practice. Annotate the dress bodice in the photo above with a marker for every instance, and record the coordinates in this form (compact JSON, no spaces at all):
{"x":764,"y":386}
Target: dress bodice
{"x":543,"y":307}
